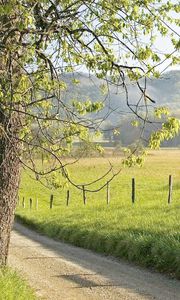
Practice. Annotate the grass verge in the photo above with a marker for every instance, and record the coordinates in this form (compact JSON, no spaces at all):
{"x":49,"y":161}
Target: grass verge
{"x":13,"y":287}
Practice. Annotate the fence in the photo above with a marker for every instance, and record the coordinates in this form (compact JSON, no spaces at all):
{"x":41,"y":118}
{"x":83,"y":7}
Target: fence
{"x":108,"y":195}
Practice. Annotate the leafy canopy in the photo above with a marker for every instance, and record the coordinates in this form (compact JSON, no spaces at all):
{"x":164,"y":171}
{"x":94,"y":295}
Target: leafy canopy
{"x":42,"y":40}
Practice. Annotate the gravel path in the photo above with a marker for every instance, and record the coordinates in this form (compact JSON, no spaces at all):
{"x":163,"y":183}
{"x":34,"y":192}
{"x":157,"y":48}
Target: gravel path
{"x":59,"y":271}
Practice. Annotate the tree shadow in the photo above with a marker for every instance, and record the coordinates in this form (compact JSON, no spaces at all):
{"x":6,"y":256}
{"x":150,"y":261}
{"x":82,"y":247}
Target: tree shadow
{"x":84,"y":282}
{"x":114,"y":273}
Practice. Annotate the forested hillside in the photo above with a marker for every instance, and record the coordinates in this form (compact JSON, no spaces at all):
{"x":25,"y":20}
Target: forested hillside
{"x":164,"y":91}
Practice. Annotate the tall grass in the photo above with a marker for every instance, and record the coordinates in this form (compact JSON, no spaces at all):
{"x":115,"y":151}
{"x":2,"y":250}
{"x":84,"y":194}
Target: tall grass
{"x":147,"y":233}
{"x":12,"y":287}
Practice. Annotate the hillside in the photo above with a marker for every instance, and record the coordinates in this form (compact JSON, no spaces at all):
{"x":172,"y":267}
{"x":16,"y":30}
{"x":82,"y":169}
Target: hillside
{"x":165,"y":90}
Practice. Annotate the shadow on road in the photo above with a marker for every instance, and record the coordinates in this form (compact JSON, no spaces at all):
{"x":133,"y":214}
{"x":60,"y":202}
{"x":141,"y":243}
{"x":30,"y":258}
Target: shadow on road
{"x":100,"y":271}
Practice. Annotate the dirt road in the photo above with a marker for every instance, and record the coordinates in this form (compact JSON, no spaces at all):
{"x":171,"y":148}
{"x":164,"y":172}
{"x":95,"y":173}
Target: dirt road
{"x":59,"y":271}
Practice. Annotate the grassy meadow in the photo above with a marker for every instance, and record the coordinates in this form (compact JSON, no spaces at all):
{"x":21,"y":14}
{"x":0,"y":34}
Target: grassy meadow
{"x":12,"y":287}
{"x":146,"y":232}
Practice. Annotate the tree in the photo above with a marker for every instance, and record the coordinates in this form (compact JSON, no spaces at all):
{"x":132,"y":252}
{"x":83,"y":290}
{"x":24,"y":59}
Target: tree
{"x":41,"y":40}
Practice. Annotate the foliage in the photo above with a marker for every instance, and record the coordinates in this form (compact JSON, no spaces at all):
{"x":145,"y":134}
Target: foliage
{"x":146,"y":233}
{"x":169,"y":130}
{"x":41,"y":40}
{"x":135,"y":154}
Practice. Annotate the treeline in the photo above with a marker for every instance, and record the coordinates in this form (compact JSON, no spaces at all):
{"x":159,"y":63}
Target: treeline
{"x":125,"y":134}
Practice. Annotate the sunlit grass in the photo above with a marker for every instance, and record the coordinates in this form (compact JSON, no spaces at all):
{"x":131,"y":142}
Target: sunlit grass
{"x":147,"y":232}
{"x":12,"y":287}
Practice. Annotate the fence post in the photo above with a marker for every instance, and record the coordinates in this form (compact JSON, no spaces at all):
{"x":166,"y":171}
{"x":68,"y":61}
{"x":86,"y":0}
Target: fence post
{"x":108,"y":192}
{"x":84,"y":195}
{"x":51,"y":201}
{"x":133,"y":190}
{"x":68,"y":197}
{"x":170,"y":189}
{"x":36,"y":203}
{"x":30,"y":203}
{"x":23,"y":203}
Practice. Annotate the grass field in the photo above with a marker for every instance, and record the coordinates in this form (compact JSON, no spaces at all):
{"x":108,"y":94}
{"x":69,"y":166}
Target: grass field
{"x":147,"y":233}
{"x":12,"y":287}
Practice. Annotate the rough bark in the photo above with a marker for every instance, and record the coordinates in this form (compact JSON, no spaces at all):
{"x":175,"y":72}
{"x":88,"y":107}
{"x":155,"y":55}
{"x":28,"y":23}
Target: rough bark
{"x":9,"y":127}
{"x":9,"y":179}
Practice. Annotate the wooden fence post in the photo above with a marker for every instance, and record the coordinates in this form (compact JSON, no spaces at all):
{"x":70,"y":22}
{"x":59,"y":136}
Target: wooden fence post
{"x":68,"y":198}
{"x":36,"y":203}
{"x":170,"y":189}
{"x":51,"y":201}
{"x":30,"y":203}
{"x":133,"y":190}
{"x":23,"y":203}
{"x":84,"y":195}
{"x":108,"y":193}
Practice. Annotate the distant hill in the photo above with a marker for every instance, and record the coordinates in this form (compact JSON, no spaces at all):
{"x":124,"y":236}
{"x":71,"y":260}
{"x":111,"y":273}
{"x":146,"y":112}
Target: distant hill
{"x":165,"y":91}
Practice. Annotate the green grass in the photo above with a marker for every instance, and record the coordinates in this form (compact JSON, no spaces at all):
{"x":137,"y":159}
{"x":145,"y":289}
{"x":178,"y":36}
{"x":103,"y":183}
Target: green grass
{"x":147,"y":233}
{"x":12,"y":287}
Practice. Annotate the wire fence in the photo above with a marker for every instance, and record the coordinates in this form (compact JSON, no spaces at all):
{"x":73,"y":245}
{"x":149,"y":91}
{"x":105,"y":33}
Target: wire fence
{"x":30,"y":203}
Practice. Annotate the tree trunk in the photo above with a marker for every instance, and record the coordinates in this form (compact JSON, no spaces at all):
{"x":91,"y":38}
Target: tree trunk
{"x":9,"y":179}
